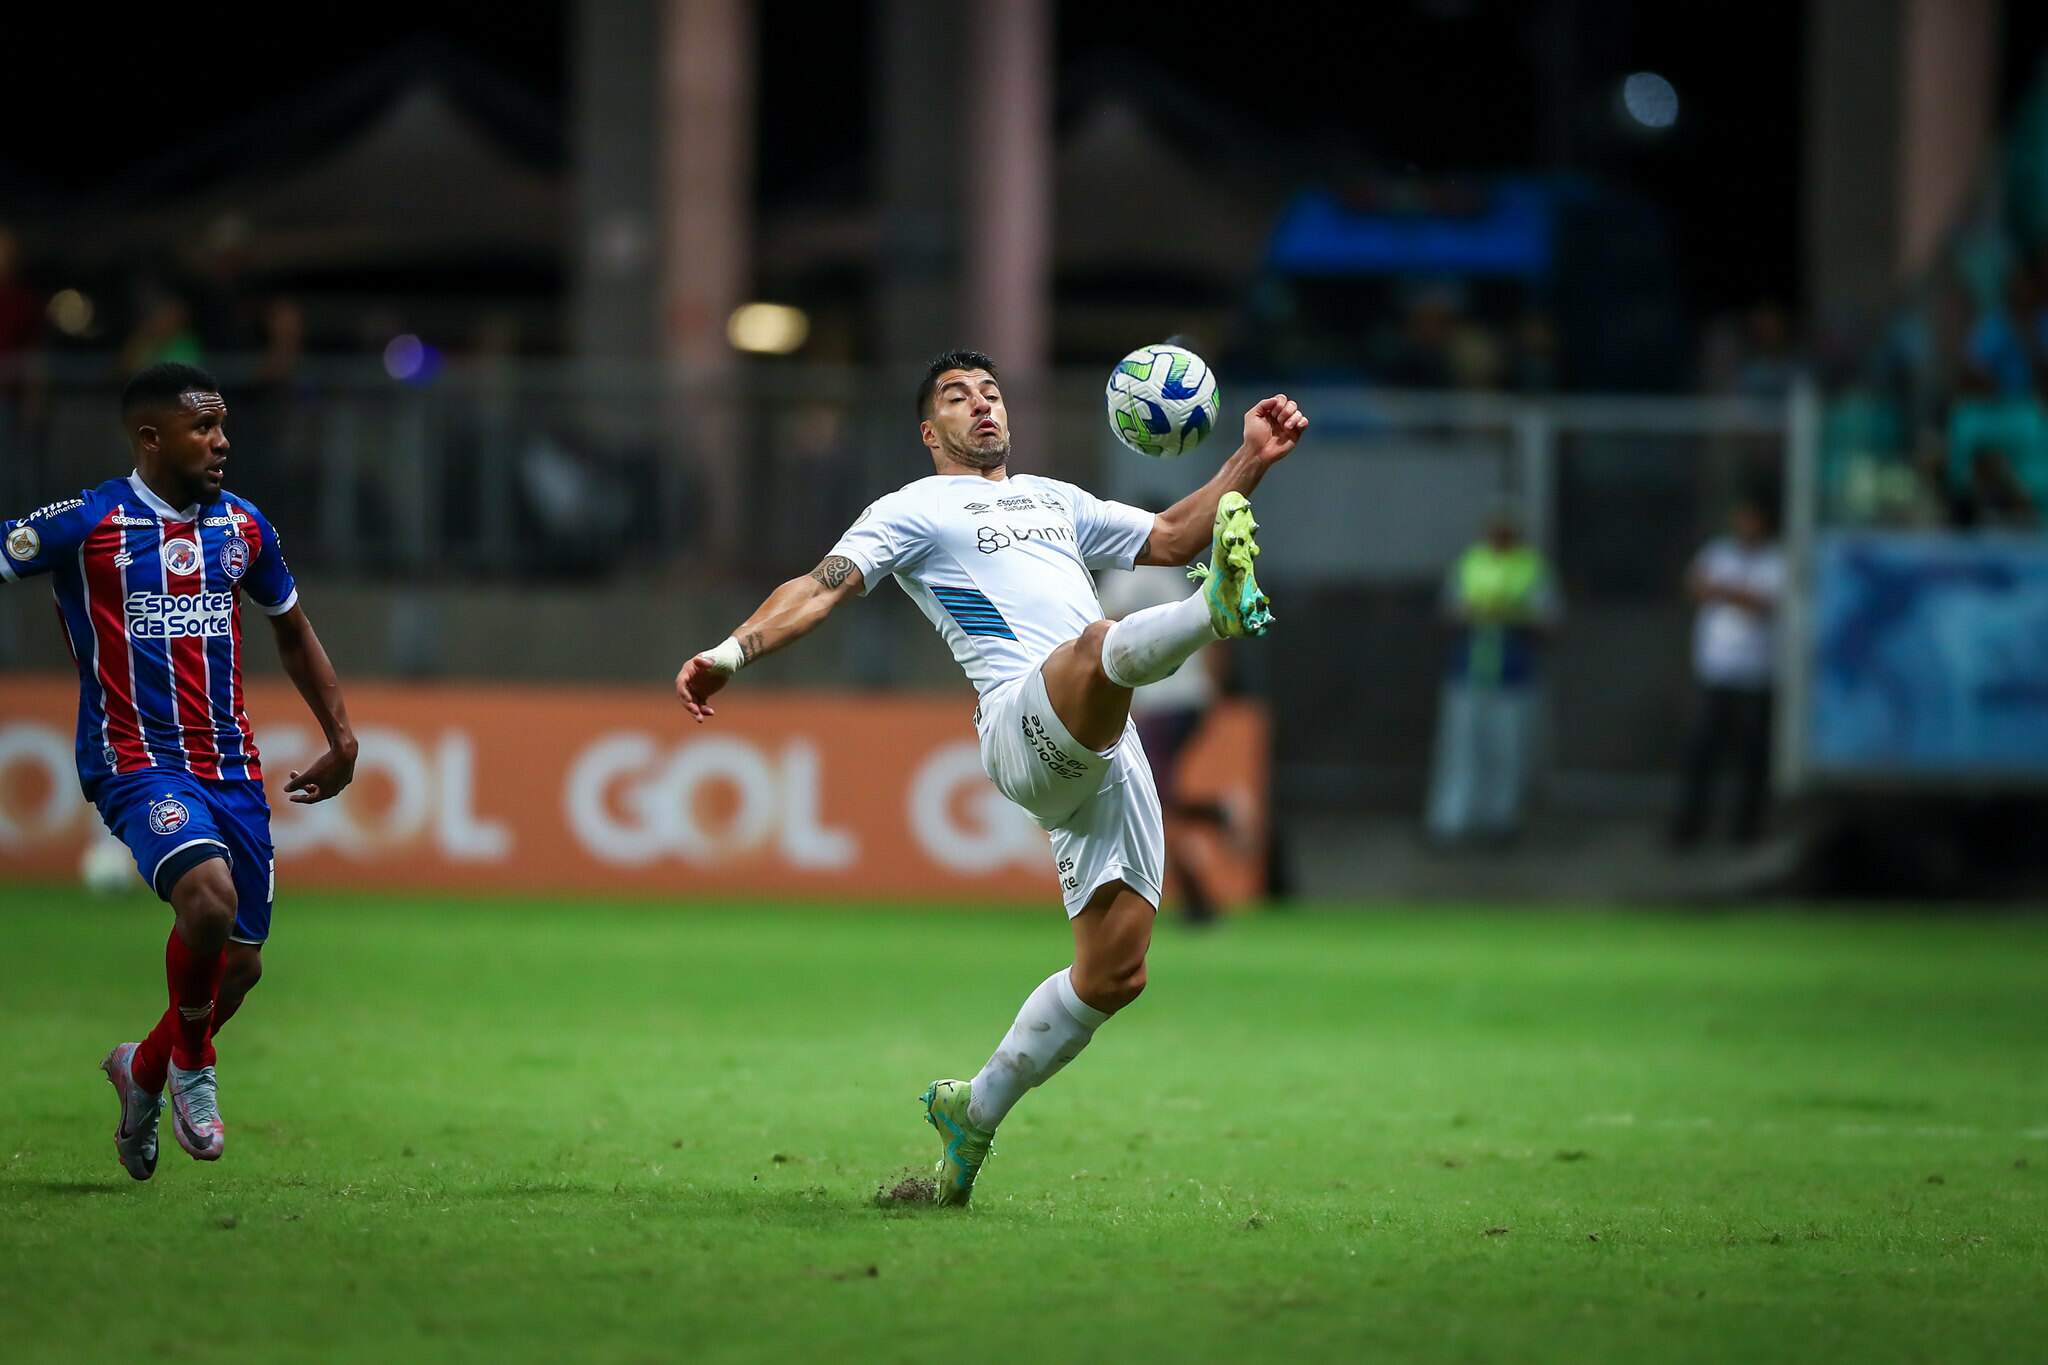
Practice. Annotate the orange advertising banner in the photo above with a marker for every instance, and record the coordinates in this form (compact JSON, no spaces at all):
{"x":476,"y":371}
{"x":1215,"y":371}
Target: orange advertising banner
{"x":593,"y":790}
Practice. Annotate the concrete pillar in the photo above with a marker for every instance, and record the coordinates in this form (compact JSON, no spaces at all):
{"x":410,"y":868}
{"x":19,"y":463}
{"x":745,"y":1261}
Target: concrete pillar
{"x":613,"y":264}
{"x":1851,"y":156}
{"x":922,"y":146}
{"x":707,"y":174}
{"x":1009,"y":207}
{"x":1949,"y":83}
{"x":705,"y":193}
{"x":1899,"y":99}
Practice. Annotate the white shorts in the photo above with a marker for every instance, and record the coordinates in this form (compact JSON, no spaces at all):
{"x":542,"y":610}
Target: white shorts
{"x":1101,"y":810}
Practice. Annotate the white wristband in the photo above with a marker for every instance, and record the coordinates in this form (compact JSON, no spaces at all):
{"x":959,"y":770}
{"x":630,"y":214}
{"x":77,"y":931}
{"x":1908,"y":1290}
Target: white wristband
{"x":727,"y":657}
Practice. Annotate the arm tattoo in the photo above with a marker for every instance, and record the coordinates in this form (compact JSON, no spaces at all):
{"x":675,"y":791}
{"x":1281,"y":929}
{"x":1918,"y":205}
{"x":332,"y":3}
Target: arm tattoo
{"x":750,"y":645}
{"x":832,"y":570}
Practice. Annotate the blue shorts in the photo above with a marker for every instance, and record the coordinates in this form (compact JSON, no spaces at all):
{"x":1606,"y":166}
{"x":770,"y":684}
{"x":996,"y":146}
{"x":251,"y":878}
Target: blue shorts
{"x":173,"y":821}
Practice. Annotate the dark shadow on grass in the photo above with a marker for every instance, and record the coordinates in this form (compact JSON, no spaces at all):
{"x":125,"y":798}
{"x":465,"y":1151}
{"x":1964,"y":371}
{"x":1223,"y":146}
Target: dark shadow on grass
{"x":808,"y":1207}
{"x":70,"y":1187}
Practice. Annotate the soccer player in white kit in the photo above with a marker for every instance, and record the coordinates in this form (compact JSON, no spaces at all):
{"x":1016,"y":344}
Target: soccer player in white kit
{"x":1000,"y":563}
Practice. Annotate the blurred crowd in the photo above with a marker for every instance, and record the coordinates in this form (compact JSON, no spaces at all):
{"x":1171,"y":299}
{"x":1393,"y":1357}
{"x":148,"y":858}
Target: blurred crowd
{"x":1943,"y":422}
{"x":1947,"y":427}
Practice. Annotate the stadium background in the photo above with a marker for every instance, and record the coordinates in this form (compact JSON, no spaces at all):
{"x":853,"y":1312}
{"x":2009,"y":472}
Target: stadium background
{"x":556,"y":334}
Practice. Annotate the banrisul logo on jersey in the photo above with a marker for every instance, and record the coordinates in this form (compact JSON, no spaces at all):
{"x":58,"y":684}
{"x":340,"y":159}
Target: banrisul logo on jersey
{"x":166,"y":616}
{"x":989,"y":539}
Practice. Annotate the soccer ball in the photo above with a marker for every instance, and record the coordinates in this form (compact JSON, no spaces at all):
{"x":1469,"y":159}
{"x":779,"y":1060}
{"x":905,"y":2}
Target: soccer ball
{"x":1162,"y":400}
{"x":106,"y":869}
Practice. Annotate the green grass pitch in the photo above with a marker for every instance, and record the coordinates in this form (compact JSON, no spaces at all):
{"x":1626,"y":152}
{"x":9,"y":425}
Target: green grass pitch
{"x":574,"y":1130}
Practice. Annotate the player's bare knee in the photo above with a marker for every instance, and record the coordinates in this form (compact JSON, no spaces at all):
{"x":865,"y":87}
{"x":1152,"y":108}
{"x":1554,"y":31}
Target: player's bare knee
{"x":1110,"y":980}
{"x":1129,"y":984}
{"x":242,"y":972}
{"x":1088,"y":644}
{"x":1110,"y":987}
{"x":204,"y":901}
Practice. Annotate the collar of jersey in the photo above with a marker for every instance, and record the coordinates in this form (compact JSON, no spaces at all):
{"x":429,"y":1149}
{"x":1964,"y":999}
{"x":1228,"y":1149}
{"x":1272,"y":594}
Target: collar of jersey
{"x":157,"y":504}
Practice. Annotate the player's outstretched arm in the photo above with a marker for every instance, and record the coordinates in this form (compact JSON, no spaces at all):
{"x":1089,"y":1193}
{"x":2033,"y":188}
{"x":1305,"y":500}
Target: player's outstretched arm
{"x":791,"y":612}
{"x":1182,"y":531}
{"x":312,"y":672}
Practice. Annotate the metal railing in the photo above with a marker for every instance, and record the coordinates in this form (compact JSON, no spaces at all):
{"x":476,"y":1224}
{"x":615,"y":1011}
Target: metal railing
{"x":604,"y":484}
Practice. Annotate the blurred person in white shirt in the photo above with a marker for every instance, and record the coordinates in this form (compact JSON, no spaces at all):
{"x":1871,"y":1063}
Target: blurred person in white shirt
{"x":1169,"y":714}
{"x":1737,"y":580}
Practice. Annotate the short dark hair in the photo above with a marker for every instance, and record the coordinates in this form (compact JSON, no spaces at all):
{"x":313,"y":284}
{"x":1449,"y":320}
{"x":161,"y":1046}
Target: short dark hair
{"x":163,"y":384}
{"x":942,"y":362}
{"x":1761,"y":495}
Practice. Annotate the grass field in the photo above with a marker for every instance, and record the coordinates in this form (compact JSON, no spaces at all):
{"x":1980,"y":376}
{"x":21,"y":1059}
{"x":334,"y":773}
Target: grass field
{"x":589,"y":1131}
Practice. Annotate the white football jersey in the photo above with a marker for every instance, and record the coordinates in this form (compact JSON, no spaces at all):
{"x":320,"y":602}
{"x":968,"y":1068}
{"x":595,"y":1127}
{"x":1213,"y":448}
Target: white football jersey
{"x":1000,"y":567}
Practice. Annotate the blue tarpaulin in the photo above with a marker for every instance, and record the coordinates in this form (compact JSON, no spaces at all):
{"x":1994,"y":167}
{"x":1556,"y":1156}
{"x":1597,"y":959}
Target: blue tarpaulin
{"x":1512,"y":232}
{"x":1930,"y":657}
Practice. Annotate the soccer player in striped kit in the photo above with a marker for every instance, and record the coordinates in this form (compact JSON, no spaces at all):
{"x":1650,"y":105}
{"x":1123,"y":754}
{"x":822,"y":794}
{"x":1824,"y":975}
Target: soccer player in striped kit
{"x":150,"y":572}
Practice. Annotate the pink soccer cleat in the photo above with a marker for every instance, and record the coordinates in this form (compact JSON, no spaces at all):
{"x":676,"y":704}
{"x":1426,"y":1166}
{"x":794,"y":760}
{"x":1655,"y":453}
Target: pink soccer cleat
{"x":135,"y":1138}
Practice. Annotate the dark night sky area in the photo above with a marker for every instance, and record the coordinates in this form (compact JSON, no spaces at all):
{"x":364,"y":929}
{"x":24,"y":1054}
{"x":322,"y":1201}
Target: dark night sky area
{"x":1432,"y":88}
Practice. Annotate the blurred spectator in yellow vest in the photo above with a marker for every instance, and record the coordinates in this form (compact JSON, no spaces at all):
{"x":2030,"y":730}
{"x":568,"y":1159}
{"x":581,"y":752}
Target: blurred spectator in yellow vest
{"x":1501,"y":598}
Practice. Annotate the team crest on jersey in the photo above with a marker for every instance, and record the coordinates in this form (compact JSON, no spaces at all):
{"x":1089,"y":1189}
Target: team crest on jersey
{"x":234,"y":558}
{"x":24,"y":543}
{"x":168,"y":816}
{"x":181,"y":557}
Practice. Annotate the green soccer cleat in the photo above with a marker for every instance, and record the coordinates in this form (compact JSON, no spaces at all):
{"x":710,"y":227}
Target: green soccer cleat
{"x":1236,"y":606}
{"x":945,"y":1108}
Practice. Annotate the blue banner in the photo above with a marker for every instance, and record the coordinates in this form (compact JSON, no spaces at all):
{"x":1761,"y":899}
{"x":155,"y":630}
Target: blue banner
{"x":1930,"y":657}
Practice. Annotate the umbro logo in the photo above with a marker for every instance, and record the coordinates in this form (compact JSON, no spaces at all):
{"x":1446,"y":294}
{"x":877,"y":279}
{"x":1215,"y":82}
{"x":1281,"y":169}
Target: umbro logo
{"x":978,"y":508}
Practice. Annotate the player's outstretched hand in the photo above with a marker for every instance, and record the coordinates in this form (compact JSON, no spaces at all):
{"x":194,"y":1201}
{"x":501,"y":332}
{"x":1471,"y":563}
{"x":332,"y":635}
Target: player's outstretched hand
{"x":697,"y":684}
{"x":325,"y":779}
{"x":1273,"y":426}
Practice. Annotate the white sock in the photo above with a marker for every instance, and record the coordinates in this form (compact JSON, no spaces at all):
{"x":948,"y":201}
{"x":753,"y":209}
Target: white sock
{"x":1051,"y":1029}
{"x":1149,"y":645}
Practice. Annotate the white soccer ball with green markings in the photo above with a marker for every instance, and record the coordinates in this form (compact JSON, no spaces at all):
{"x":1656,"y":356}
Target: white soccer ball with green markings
{"x":1162,"y":400}
{"x":106,"y":868}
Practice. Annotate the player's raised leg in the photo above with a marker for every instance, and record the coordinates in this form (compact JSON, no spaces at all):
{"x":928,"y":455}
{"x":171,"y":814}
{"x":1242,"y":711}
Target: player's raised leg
{"x":1090,"y":678}
{"x":180,"y":1049}
{"x":1111,"y":937}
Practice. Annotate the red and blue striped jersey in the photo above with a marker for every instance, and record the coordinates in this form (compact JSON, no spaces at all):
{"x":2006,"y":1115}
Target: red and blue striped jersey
{"x":151,"y":599}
